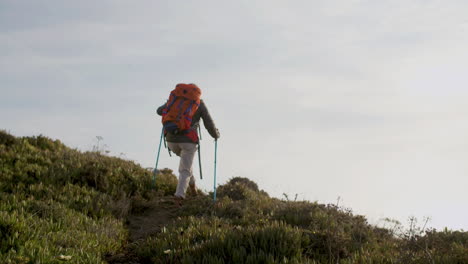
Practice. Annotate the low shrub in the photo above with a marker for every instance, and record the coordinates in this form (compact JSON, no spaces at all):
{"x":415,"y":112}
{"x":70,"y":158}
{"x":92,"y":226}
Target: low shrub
{"x":213,"y":240}
{"x":59,"y":201}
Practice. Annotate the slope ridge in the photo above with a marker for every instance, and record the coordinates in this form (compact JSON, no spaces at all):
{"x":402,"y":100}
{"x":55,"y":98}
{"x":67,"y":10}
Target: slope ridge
{"x":56,"y":201}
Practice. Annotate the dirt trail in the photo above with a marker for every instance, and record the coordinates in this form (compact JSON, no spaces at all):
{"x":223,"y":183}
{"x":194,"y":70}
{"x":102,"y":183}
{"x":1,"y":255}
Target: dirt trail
{"x":156,"y":214}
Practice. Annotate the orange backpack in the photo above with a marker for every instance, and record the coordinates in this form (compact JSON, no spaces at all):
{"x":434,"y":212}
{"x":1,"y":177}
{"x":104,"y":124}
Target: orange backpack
{"x":182,"y":104}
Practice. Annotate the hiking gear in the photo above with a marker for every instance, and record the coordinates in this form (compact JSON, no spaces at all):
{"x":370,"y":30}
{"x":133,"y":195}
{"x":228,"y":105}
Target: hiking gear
{"x":199,"y":131}
{"x":182,"y":104}
{"x":215,"y":163}
{"x":199,"y":162}
{"x":193,"y":189}
{"x":155,"y":171}
{"x":178,"y":200}
{"x":199,"y":155}
{"x":165,"y":146}
{"x":201,"y":113}
{"x":186,"y":152}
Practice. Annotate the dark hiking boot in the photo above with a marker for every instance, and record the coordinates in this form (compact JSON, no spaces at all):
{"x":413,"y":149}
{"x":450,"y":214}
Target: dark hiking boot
{"x":178,"y":201}
{"x":193,"y":189}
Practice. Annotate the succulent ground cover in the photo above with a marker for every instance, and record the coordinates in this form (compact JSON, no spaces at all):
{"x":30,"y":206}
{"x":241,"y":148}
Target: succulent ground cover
{"x":58,"y":205}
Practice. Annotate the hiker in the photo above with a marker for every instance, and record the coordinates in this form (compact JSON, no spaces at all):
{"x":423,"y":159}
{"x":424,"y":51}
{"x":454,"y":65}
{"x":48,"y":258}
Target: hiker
{"x":182,"y":139}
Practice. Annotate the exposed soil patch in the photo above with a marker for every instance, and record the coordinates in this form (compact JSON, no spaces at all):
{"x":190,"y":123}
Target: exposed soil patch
{"x":149,"y":221}
{"x":158,"y":214}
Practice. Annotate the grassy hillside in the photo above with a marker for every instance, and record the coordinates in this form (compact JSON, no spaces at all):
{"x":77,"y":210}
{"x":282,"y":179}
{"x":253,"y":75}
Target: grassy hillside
{"x":57,"y":203}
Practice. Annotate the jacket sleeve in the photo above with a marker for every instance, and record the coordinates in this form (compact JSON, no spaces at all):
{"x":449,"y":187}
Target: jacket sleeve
{"x":160,"y":109}
{"x":208,"y":121}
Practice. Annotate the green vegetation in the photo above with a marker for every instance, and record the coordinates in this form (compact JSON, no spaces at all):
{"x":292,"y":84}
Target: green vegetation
{"x":56,"y":201}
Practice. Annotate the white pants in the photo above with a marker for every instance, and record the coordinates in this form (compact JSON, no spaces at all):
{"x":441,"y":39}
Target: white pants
{"x":186,"y":152}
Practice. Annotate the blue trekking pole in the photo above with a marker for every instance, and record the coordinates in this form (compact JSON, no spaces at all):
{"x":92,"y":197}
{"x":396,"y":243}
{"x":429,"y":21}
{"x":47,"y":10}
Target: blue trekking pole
{"x":199,"y":155}
{"x":215,"y":162}
{"x":155,"y":171}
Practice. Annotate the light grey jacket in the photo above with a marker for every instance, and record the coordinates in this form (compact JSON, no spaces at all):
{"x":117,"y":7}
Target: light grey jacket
{"x":202,"y":112}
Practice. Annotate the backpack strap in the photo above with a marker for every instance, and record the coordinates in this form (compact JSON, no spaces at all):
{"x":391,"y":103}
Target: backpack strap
{"x":189,"y":108}
{"x":179,"y":114}
{"x":169,"y":105}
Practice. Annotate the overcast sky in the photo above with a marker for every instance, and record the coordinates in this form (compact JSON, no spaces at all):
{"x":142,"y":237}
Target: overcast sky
{"x":361,"y":100}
